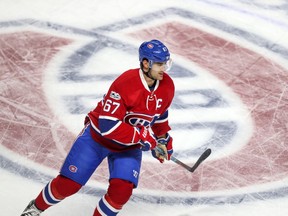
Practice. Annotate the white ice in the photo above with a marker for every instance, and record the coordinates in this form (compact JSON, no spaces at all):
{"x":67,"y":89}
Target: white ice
{"x":268,"y":19}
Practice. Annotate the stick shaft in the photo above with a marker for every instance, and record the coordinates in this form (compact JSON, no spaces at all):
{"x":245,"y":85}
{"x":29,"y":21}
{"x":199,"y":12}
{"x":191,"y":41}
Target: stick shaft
{"x":174,"y":159}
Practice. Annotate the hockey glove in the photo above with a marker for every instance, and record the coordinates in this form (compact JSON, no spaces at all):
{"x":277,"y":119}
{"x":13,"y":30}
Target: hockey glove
{"x":164,"y":148}
{"x":147,"y":139}
{"x":160,"y":153}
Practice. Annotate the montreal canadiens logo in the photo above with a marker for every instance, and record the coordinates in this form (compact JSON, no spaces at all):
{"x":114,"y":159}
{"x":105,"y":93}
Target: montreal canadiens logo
{"x":150,"y":46}
{"x":73,"y":168}
{"x":137,"y":119}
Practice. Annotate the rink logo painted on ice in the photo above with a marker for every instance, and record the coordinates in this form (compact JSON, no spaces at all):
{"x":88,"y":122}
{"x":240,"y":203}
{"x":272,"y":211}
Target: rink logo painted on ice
{"x":257,"y":81}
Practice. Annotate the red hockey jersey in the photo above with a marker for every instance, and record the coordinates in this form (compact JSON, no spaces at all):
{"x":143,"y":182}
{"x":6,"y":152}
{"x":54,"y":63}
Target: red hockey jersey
{"x":128,"y":104}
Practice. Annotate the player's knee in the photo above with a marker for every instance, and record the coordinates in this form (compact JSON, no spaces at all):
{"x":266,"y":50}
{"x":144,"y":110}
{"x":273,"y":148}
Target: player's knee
{"x":63,"y":187}
{"x":119,"y":191}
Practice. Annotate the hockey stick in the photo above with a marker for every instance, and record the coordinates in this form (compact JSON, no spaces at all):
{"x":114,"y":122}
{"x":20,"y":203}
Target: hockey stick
{"x":203,"y":157}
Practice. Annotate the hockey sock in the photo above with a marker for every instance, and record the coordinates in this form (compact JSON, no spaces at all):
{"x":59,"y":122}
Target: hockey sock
{"x":118,"y":194}
{"x":55,"y":191}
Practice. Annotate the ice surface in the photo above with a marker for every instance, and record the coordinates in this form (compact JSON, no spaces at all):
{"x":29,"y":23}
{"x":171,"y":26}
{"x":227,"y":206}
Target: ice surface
{"x":57,"y":59}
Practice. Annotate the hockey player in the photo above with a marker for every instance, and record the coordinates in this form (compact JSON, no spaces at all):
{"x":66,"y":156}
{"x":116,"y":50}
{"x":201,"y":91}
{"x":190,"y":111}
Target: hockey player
{"x":131,"y":118}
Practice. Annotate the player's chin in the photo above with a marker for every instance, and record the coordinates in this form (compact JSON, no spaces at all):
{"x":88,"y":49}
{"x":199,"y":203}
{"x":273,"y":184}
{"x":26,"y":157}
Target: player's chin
{"x":160,"y":77}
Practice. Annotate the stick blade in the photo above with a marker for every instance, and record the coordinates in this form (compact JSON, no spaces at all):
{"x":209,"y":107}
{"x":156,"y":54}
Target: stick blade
{"x":206,"y":153}
{"x":203,"y":157}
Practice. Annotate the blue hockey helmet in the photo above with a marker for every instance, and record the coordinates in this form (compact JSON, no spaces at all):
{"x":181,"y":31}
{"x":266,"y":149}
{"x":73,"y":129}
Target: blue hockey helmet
{"x":153,"y":51}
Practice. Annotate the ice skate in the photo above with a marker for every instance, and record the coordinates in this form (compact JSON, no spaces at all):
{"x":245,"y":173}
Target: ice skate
{"x":31,"y":210}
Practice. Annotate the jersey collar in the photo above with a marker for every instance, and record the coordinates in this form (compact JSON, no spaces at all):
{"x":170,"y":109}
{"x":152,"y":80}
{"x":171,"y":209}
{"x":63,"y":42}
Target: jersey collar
{"x":145,"y":83}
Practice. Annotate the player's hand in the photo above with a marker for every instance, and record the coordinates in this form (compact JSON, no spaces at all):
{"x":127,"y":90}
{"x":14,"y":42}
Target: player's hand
{"x":147,"y":139}
{"x":160,"y":153}
{"x":164,"y":148}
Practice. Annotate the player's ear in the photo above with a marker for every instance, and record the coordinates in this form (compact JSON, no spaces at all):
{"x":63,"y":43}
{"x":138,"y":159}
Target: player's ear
{"x":145,"y":64}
